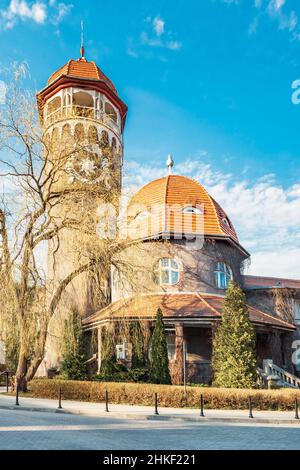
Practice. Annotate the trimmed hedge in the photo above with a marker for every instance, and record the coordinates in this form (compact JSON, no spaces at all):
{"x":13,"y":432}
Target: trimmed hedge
{"x":168,"y":395}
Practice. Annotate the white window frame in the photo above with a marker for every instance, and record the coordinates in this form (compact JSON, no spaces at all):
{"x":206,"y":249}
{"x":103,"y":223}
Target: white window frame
{"x":297,"y":311}
{"x":222,"y":275}
{"x":161,"y":269}
{"x":171,"y":346}
{"x":123,"y":351}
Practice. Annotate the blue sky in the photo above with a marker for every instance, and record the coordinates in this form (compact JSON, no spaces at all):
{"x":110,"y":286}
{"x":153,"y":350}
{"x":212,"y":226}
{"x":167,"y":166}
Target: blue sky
{"x":208,"y":81}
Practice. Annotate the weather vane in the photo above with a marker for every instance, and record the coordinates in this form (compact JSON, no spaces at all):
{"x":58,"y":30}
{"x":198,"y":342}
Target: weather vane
{"x":82,"y":40}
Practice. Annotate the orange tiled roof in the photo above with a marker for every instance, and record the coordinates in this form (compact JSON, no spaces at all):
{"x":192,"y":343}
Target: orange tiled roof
{"x":261,"y":282}
{"x":81,"y":68}
{"x":179,"y":306}
{"x":179,"y":192}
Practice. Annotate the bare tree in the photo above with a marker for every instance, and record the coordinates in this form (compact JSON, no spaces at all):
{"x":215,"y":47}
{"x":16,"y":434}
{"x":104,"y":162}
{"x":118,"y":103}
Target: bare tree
{"x":44,"y":207}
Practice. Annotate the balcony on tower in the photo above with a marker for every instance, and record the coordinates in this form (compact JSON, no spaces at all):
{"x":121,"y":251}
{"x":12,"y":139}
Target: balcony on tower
{"x":77,"y":103}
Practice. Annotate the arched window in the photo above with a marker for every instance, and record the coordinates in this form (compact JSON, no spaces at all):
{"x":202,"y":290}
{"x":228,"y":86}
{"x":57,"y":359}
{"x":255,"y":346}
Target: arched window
{"x":222,"y":274}
{"x":79,"y":133}
{"x":93,"y":135}
{"x":166,"y":272}
{"x":104,"y":141}
{"x":110,"y":111}
{"x":81,"y":98}
{"x":54,"y":105}
{"x":83,"y":104}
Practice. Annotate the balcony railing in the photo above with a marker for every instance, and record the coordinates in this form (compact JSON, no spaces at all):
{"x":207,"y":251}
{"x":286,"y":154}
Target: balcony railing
{"x":69,"y":112}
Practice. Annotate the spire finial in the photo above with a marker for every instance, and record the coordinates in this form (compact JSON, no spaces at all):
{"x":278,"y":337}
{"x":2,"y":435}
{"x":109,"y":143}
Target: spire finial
{"x":82,"y":40}
{"x":170,"y":164}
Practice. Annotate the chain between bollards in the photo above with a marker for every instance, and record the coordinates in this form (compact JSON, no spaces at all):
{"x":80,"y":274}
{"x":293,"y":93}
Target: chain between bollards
{"x":59,"y":398}
{"x":106,"y":401}
{"x":296,"y":409}
{"x":17,"y":396}
{"x":156,"y":404}
{"x":250,"y":407}
{"x":202,"y":406}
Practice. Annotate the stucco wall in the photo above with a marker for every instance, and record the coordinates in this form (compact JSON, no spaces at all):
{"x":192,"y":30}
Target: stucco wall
{"x":196,"y":267}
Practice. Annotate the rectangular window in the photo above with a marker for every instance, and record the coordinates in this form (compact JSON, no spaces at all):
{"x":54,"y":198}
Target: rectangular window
{"x":122,"y":351}
{"x":171,"y":344}
{"x":297,"y":311}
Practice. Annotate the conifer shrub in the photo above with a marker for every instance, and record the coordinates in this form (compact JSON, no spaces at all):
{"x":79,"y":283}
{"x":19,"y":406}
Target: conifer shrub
{"x":159,"y":361}
{"x":109,"y":364}
{"x":73,"y":366}
{"x":234,"y":358}
{"x":138,"y":357}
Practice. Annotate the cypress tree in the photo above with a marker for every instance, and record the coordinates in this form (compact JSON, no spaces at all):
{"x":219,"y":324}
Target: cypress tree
{"x":108,"y":351}
{"x":138,"y":359}
{"x":234,"y":360}
{"x":73,"y":365}
{"x":159,"y":364}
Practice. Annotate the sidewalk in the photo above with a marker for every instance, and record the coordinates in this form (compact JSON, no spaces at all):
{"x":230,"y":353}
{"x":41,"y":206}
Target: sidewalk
{"x":147,"y":412}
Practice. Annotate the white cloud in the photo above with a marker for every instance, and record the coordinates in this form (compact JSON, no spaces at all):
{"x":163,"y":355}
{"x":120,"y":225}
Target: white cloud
{"x":158,"y":26}
{"x":265,"y":215}
{"x":37,"y":11}
{"x":174,"y":45}
{"x":155,"y":35}
{"x":61,"y":10}
{"x":21,"y":9}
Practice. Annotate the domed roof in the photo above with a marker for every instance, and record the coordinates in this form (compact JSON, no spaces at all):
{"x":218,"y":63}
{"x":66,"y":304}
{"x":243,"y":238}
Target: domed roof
{"x":184,"y":202}
{"x":82,"y":69}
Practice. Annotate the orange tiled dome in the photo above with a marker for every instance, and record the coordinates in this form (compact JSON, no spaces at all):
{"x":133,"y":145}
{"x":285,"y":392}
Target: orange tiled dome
{"x":180,"y":192}
{"x":81,"y":68}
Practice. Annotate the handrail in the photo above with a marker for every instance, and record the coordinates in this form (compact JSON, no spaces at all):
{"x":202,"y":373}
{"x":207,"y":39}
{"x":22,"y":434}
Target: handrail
{"x":82,"y":112}
{"x":286,"y":378}
{"x":7,"y":372}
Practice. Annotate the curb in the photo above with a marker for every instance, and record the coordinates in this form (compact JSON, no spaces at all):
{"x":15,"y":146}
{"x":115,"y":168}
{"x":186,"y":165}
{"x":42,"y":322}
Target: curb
{"x":147,"y":417}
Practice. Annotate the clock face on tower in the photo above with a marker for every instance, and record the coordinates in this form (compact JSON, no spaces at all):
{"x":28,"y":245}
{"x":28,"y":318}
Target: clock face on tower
{"x":89,"y":165}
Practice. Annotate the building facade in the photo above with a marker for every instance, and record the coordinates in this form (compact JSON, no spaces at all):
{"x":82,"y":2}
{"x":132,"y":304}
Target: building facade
{"x":182,"y":246}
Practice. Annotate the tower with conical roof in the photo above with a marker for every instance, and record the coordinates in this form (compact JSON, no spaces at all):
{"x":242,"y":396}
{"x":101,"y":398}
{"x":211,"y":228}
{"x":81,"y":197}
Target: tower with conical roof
{"x":83,"y":120}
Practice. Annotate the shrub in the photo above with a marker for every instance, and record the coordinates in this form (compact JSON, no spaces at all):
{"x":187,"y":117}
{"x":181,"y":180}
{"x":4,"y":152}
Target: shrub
{"x":234,"y":361}
{"x":114,"y":377}
{"x":168,"y":395}
{"x":159,"y":364}
{"x":109,"y":363}
{"x":138,"y":359}
{"x":73,"y":365}
{"x":140,"y":374}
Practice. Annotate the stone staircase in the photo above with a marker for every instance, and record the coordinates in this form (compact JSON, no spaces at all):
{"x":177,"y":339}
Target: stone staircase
{"x":271,"y":374}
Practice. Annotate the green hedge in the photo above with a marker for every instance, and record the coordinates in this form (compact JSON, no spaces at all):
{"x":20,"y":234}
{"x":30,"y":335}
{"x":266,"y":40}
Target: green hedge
{"x":168,"y":395}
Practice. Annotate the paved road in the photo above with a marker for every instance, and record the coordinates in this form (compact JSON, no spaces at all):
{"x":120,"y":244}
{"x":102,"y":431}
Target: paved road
{"x":25,"y":430}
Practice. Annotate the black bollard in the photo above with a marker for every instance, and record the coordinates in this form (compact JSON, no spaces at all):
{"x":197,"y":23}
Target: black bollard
{"x":296,"y":409}
{"x":156,"y":404}
{"x":17,"y":396}
{"x":202,"y":406}
{"x":6,"y":373}
{"x":59,"y":398}
{"x":106,"y":401}
{"x":250,"y":408}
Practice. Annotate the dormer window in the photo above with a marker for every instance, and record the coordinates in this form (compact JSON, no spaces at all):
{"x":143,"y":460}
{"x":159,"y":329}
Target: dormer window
{"x":192,"y":210}
{"x":226,"y":222}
